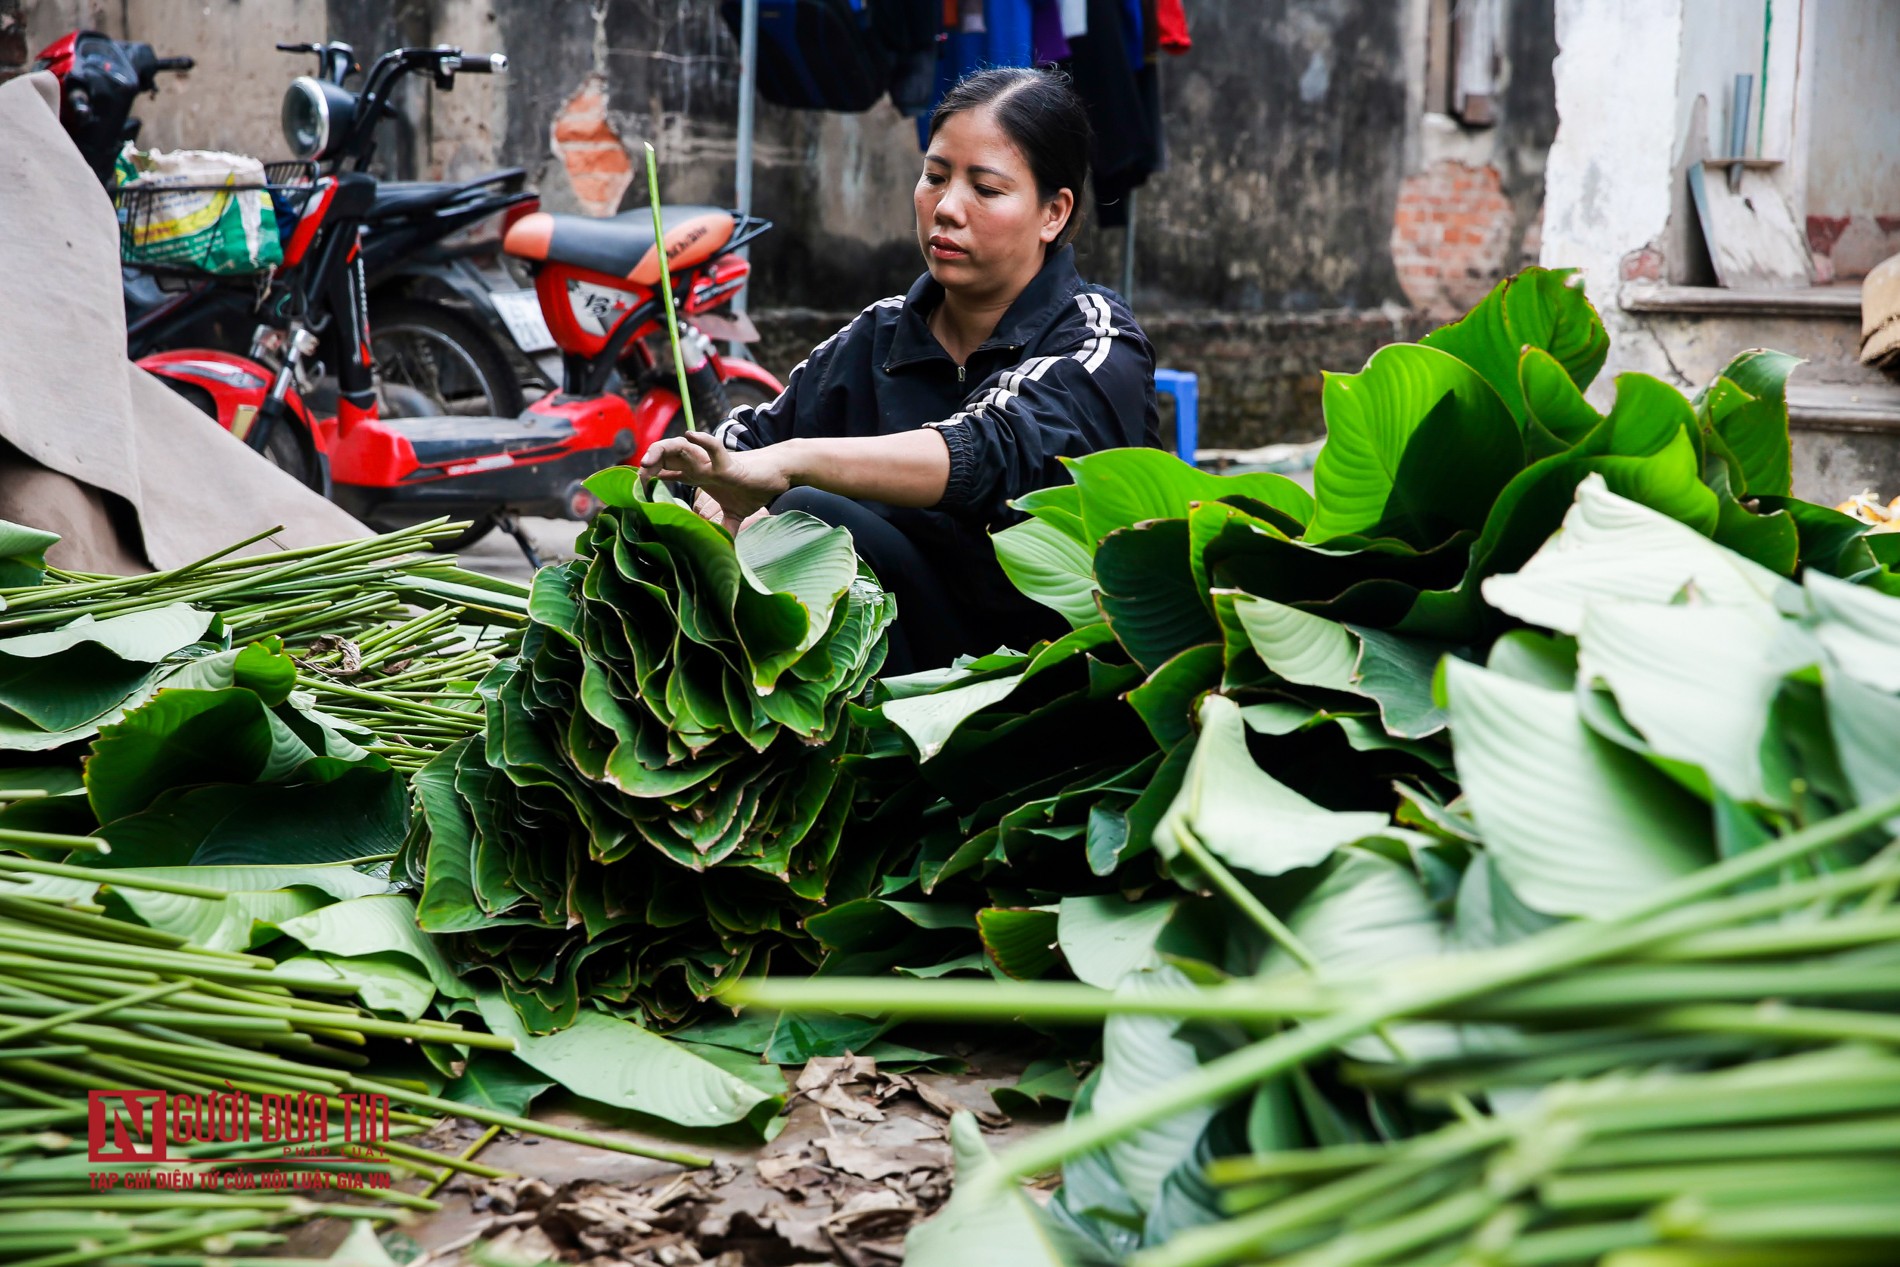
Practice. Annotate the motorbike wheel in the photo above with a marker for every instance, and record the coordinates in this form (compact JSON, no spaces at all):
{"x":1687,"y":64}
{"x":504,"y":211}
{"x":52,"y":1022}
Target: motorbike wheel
{"x":480,"y":528}
{"x":739,"y":391}
{"x":283,"y":450}
{"x":446,"y":357}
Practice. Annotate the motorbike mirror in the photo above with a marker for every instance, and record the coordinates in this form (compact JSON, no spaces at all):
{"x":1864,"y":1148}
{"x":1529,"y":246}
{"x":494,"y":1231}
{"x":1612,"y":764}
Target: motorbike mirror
{"x":316,"y":117}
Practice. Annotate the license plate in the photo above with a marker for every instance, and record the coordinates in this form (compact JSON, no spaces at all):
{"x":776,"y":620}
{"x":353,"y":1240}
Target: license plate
{"x":521,"y":311}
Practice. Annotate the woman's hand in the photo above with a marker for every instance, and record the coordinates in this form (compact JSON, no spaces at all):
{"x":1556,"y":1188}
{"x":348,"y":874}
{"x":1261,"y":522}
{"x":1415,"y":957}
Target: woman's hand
{"x":741,"y":483}
{"x":711,"y":511}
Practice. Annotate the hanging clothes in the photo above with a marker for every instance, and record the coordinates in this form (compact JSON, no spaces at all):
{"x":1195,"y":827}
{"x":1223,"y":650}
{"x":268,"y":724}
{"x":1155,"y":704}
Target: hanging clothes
{"x":1132,"y":33}
{"x":1171,"y":18}
{"x":1009,"y":25}
{"x":1125,"y":118}
{"x":1047,"y":44}
{"x":910,"y":28}
{"x":981,"y":33}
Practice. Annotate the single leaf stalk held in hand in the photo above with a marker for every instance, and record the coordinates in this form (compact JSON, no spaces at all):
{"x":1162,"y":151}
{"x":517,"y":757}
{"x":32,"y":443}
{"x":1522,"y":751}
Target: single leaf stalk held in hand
{"x":666,"y":287}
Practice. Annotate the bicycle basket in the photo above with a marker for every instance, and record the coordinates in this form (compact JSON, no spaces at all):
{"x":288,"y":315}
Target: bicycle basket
{"x":222,"y":230}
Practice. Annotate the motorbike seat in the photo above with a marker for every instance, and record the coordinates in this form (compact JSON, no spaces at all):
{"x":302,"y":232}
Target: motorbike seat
{"x":438,"y":441}
{"x":622,"y":246}
{"x":397,"y":200}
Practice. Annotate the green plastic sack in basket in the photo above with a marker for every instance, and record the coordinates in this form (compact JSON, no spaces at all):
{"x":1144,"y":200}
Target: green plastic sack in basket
{"x":198,"y":209}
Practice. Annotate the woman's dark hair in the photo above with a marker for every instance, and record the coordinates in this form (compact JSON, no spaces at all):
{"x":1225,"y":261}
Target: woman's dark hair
{"x":1042,"y":116}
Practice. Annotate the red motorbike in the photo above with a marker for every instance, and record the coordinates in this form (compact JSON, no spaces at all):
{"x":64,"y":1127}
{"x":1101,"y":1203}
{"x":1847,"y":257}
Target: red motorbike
{"x":597,"y":283}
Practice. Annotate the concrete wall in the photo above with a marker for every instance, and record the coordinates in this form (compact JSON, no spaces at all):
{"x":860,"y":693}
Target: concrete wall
{"x":1266,"y":252}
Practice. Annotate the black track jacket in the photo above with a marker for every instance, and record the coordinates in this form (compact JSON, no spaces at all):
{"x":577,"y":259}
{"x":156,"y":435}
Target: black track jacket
{"x":1067,"y":372}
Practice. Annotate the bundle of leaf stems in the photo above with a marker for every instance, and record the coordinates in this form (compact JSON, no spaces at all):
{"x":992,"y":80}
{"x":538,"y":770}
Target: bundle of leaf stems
{"x":349,"y":613}
{"x":1678,"y":964}
{"x":89,"y":1001}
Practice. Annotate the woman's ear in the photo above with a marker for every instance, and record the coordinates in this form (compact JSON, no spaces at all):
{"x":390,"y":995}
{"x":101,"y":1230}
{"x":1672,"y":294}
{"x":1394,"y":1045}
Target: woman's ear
{"x":1056,"y":213}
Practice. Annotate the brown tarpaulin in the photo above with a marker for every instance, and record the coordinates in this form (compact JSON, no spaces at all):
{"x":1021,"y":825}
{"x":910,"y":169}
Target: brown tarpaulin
{"x":92,"y":447}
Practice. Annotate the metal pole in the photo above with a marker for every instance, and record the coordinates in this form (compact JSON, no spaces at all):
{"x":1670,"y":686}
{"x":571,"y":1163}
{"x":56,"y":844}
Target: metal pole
{"x":1128,"y":254}
{"x":748,"y":96}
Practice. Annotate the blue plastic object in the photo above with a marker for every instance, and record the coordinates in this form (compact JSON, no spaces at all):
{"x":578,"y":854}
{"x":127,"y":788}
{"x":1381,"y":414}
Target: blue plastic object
{"x":1185,"y":387}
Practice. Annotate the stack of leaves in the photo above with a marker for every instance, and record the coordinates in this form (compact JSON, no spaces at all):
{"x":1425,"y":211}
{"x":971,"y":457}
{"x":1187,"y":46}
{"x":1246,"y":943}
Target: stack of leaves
{"x":384,"y":633}
{"x":658,"y":796}
{"x":204,"y":738}
{"x":100,"y":988}
{"x":1447,"y":462}
{"x":228,"y":763}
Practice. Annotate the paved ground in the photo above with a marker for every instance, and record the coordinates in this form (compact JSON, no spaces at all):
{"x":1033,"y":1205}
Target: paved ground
{"x":862,"y":1157}
{"x":498,"y":555}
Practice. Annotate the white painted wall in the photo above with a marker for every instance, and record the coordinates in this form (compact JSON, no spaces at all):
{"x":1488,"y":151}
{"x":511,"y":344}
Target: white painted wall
{"x":1609,"y":178}
{"x":1721,"y":39}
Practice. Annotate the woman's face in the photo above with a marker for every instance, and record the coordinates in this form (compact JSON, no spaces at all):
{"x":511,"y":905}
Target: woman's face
{"x":980,"y":222}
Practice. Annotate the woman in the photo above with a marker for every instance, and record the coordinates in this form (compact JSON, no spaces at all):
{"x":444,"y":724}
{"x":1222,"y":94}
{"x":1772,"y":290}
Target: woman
{"x":914,"y":426}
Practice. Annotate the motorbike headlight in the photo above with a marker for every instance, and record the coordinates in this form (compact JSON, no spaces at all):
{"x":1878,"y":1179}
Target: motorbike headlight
{"x":316,"y":115}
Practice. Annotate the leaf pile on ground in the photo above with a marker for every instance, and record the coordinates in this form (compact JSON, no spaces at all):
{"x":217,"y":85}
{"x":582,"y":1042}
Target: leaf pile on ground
{"x":658,"y":796}
{"x":258,"y":709}
{"x":202,"y":780}
{"x":232,"y":986}
{"x":1520,"y":789}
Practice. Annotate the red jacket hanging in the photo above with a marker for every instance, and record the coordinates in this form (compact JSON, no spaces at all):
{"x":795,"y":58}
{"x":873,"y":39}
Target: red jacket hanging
{"x":1172,"y":19}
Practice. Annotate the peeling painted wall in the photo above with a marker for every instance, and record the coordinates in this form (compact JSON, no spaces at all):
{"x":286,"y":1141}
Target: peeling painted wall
{"x":1611,"y":170}
{"x":1853,"y":167}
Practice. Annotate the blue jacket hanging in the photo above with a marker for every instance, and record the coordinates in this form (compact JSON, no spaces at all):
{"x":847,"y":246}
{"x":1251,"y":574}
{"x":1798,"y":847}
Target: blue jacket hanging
{"x":1001,"y":38}
{"x":1009,"y":23}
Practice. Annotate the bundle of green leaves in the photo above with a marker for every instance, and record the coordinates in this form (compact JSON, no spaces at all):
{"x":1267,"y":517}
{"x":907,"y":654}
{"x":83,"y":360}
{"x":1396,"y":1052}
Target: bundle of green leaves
{"x":198,"y":753}
{"x":1676,"y":805}
{"x":1507,"y":756}
{"x":164,"y":716}
{"x":657,"y":799}
{"x":1321,"y":616}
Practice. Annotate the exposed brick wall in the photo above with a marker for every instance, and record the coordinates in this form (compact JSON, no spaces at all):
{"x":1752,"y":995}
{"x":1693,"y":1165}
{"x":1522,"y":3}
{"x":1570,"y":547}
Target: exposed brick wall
{"x":597,"y":163}
{"x":1260,"y":374}
{"x":1453,"y":236}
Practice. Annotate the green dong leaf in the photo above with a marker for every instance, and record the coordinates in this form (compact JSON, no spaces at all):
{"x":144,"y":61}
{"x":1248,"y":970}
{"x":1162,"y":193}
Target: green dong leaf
{"x":1418,"y":446}
{"x":1541,"y":309}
